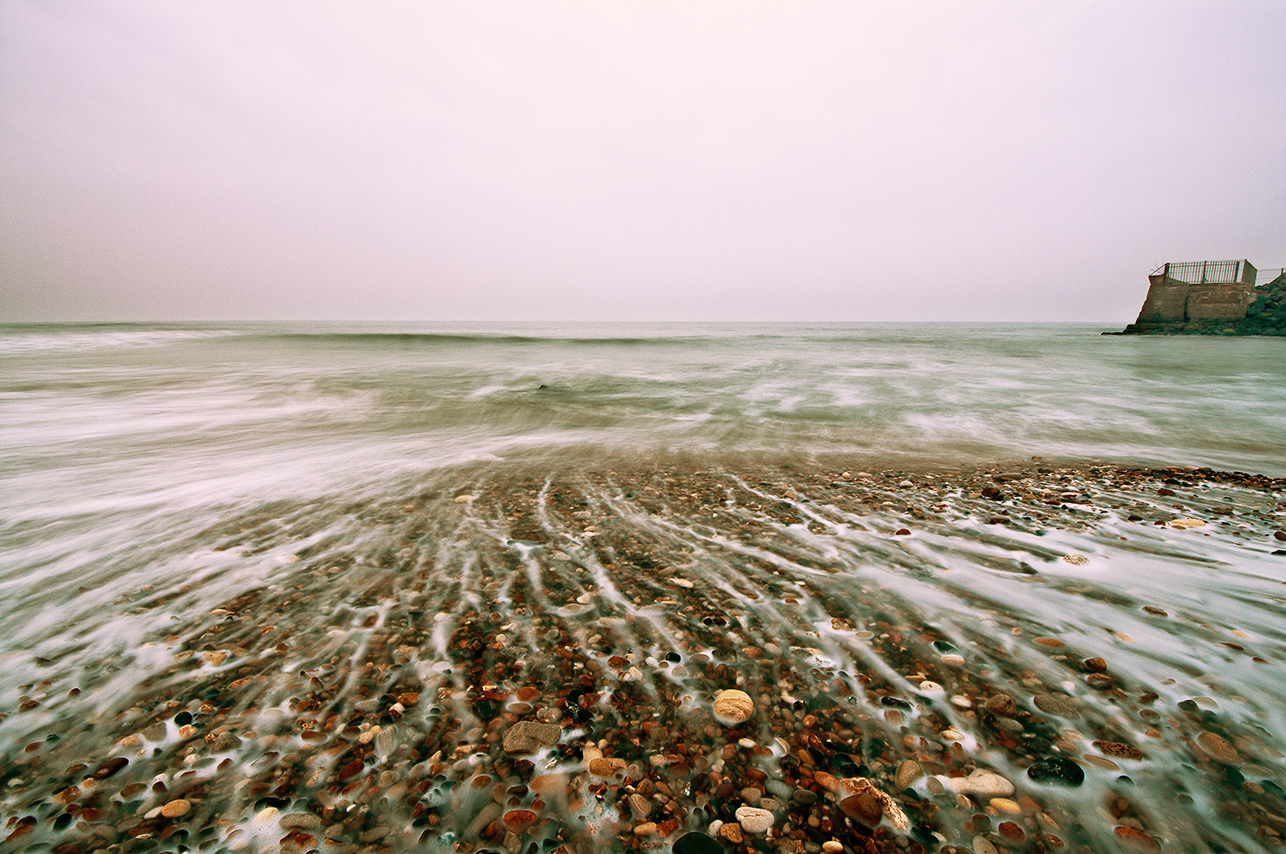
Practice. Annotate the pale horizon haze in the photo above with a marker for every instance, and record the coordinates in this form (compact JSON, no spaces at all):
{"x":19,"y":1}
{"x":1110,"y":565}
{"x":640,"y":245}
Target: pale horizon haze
{"x":651,"y":161}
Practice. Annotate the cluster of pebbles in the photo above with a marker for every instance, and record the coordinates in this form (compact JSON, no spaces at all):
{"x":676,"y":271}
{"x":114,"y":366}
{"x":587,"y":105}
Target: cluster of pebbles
{"x":768,"y":658}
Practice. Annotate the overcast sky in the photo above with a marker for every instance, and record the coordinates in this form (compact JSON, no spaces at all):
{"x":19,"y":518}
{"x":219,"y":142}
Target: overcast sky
{"x":631,"y":160}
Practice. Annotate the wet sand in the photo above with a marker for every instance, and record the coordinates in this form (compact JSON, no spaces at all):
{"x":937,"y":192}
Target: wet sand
{"x":509,"y":659}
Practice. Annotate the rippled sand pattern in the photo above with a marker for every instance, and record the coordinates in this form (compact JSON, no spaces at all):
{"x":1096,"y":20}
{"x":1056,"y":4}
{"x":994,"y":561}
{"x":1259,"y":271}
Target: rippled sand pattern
{"x":508,"y":659}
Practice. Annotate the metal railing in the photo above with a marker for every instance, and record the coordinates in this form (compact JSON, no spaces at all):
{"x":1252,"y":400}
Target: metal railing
{"x":1266,"y":276}
{"x":1208,"y":272}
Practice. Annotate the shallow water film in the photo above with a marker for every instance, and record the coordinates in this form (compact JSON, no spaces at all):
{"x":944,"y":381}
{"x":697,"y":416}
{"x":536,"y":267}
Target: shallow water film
{"x":599,"y":644}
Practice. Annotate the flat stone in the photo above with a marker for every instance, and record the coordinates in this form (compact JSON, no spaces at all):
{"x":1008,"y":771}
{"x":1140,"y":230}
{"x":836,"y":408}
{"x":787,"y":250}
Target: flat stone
{"x":1119,"y":750}
{"x":1218,"y":748}
{"x":803,"y":797}
{"x":754,"y":820}
{"x":987,"y":784}
{"x":489,"y":813}
{"x":226,"y":742}
{"x":865,"y":808}
{"x":1055,"y":706}
{"x":300,"y":821}
{"x":548,"y":784}
{"x":531,"y":736}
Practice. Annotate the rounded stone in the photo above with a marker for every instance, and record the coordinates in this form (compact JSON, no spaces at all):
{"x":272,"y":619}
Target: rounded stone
{"x":696,"y":842}
{"x":606,"y":766}
{"x":1057,"y":770}
{"x":176,"y":808}
{"x":908,"y":772}
{"x":1002,"y":705}
{"x":733,"y":707}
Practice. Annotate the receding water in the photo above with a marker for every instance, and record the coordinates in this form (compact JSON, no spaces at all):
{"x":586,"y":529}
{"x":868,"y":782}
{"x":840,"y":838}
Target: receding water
{"x":461,"y":512}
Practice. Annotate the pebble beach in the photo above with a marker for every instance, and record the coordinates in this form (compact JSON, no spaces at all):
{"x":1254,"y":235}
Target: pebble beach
{"x":684,"y":656}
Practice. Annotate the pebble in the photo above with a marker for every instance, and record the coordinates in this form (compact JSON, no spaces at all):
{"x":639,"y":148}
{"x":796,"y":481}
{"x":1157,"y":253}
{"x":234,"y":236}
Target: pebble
{"x":1136,"y":840}
{"x":1218,"y":748}
{"x":1006,"y":806}
{"x":1055,"y":706}
{"x":953,"y":659}
{"x":803,"y":797}
{"x":982,"y":845}
{"x":1052,"y":643}
{"x":1002,"y":705}
{"x":908,"y":772}
{"x":932,"y":690}
{"x":1057,"y":770}
{"x":176,"y":808}
{"x":733,"y":707}
{"x":754,"y":820}
{"x":516,"y":821}
{"x":386,"y":741}
{"x":640,"y":806}
{"x":605,"y":766}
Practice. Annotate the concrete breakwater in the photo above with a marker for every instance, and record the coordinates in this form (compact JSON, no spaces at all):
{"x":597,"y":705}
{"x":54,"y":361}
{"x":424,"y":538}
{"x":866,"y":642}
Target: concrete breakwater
{"x":1211,"y":298}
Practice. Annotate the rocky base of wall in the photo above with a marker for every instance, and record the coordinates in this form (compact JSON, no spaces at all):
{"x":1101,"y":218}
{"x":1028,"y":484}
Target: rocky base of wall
{"x":1265,"y":316}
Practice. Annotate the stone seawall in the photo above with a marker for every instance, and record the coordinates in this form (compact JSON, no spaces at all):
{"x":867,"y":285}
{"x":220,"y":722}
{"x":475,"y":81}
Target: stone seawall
{"x":1180,"y":308}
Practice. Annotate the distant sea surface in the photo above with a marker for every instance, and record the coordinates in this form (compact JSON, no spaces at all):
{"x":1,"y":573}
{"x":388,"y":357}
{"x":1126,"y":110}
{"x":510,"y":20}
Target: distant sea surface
{"x":100,"y":418}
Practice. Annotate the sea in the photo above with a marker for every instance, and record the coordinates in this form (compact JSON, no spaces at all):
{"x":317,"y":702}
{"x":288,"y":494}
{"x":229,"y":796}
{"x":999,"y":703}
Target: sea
{"x":151,"y":473}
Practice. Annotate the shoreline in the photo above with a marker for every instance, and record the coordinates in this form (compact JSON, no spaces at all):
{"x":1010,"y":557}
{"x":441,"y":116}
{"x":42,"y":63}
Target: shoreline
{"x":512,"y":657}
